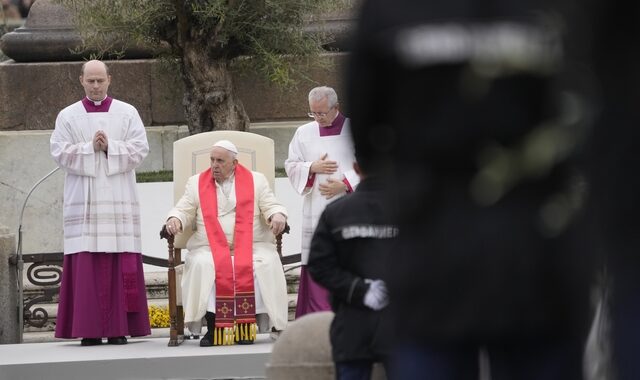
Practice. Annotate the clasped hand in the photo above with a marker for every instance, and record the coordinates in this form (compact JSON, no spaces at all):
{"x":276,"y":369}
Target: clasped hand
{"x":100,"y":141}
{"x":332,"y":187}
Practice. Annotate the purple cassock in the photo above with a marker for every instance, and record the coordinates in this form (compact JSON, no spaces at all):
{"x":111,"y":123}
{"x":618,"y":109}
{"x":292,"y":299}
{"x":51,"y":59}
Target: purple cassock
{"x":312,"y":297}
{"x":102,"y":293}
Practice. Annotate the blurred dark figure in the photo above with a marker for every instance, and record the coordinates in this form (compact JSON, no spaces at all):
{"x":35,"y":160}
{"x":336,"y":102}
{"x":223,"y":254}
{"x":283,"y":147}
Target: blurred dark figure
{"x":458,"y":103}
{"x":348,"y":255}
{"x":615,"y":157}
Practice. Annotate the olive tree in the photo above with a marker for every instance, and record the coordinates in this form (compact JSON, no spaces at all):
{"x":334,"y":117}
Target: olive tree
{"x":205,"y":38}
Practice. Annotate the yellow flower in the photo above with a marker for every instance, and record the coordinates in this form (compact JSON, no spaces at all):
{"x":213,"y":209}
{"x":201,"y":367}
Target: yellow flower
{"x":159,"y":316}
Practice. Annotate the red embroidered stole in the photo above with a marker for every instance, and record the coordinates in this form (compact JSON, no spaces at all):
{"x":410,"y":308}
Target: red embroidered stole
{"x":235,"y":300}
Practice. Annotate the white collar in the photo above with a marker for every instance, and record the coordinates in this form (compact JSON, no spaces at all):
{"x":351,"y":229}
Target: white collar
{"x":97,"y":102}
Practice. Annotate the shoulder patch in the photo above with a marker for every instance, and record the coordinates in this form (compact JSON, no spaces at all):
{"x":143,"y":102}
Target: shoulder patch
{"x":370,"y":231}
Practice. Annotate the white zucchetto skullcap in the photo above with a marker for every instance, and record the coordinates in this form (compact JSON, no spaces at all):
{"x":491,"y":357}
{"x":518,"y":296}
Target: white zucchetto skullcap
{"x":228,"y":145}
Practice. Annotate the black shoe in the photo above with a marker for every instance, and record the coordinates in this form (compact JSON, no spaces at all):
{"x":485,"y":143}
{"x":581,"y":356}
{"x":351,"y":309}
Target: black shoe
{"x":207,"y":339}
{"x":243,"y":341}
{"x":91,"y":341}
{"x":117,"y":340}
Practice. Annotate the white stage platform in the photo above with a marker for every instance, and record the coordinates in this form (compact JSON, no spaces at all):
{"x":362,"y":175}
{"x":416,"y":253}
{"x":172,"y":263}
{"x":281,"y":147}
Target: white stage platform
{"x":141,"y":358}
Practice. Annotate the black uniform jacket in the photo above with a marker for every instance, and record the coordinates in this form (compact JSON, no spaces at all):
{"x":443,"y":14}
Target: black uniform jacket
{"x":353,"y":242}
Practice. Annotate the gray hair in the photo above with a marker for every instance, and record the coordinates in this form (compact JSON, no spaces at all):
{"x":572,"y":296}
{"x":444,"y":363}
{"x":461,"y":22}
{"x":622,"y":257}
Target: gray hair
{"x":322,"y":92}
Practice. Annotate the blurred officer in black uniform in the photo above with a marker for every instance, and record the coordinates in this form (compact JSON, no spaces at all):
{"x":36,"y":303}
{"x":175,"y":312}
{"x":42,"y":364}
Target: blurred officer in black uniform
{"x":349,"y":255}
{"x":457,"y":103}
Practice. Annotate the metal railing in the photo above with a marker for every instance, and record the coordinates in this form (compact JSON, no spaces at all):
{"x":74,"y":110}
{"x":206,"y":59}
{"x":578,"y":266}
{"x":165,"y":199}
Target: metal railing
{"x":19,"y":258}
{"x":45,"y":271}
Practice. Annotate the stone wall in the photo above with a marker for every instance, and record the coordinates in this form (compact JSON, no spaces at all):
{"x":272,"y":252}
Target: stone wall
{"x":32,"y":94}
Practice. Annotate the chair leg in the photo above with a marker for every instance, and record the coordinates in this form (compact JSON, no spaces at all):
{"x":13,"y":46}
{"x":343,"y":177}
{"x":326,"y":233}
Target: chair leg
{"x":173,"y":310}
{"x":180,"y":320}
{"x":176,"y":330}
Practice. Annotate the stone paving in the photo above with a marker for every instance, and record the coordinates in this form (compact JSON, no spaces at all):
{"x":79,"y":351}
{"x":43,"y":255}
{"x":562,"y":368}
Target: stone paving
{"x":141,"y":358}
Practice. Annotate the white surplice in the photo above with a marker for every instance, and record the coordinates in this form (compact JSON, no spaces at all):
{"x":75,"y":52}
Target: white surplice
{"x":101,"y":210}
{"x":307,"y":146}
{"x":198,"y":279}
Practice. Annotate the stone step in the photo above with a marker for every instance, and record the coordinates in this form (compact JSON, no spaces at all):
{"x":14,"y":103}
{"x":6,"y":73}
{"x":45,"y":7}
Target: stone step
{"x":142,"y":358}
{"x":48,"y":336}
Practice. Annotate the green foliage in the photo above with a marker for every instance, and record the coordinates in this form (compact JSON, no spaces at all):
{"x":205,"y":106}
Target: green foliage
{"x":167,"y":175}
{"x":159,"y":176}
{"x":108,"y":26}
{"x":270,"y":31}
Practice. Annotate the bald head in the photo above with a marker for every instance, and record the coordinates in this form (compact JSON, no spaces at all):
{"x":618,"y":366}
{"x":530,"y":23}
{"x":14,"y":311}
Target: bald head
{"x":95,"y":80}
{"x":94,"y":64}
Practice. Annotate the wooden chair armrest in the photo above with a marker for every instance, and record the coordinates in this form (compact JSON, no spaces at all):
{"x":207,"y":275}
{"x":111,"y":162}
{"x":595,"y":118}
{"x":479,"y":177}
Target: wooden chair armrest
{"x":164,"y":234}
{"x":279,"y":239}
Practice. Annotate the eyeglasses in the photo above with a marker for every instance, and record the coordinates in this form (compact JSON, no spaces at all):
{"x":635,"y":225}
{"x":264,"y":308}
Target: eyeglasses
{"x":319,"y":114}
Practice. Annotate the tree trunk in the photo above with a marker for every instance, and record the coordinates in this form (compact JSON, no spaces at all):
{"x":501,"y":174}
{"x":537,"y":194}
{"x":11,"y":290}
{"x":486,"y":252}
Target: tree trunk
{"x":210,"y":101}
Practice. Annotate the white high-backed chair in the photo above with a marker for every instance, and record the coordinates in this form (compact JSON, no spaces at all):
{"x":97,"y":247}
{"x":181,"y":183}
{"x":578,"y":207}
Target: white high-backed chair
{"x":190,"y":157}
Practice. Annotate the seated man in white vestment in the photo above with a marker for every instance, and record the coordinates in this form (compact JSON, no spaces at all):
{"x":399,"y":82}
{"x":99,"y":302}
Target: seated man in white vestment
{"x":232,"y":270}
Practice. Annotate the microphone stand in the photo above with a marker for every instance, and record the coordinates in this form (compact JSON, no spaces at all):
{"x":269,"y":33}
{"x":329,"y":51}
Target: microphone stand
{"x":20,"y":261}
